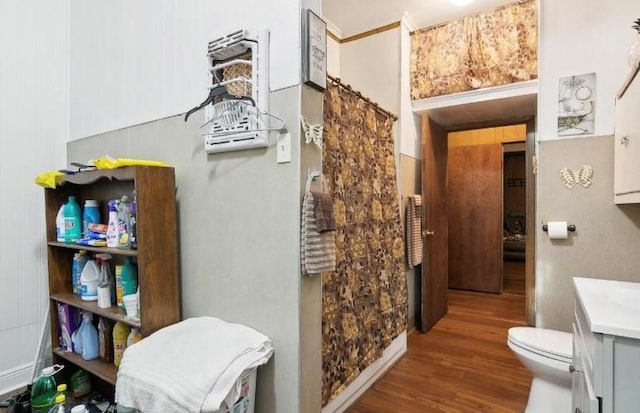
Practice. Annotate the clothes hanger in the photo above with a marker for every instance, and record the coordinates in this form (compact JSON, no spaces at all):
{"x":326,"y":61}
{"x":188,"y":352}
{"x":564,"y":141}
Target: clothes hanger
{"x":218,"y":91}
{"x":227,"y":114}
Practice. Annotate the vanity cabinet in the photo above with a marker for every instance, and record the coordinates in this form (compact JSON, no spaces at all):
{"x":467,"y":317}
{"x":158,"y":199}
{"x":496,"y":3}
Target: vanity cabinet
{"x":626,"y":183}
{"x":606,"y":347}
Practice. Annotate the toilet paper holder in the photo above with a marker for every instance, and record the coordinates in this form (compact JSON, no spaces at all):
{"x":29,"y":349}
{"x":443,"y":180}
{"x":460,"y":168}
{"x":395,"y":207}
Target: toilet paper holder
{"x":570,"y":228}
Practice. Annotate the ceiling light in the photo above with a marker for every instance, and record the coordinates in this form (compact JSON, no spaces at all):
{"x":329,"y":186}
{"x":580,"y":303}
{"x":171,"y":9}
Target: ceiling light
{"x":461,"y":2}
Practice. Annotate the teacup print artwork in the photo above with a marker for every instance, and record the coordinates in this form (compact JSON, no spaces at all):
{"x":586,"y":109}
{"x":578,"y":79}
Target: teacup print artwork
{"x":576,"y":105}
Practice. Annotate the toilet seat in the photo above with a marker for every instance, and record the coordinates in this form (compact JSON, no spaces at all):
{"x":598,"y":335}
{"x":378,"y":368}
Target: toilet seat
{"x":556,"y":345}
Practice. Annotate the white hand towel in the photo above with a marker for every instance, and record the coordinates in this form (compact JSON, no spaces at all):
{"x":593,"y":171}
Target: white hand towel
{"x":190,"y":366}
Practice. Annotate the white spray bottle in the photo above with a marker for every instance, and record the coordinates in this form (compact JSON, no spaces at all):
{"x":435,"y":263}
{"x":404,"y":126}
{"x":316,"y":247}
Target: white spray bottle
{"x":112,"y":226}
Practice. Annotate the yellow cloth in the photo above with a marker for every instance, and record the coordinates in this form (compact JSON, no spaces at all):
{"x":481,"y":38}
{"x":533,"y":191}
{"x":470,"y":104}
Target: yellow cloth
{"x":49,"y":179}
{"x":108,"y":162}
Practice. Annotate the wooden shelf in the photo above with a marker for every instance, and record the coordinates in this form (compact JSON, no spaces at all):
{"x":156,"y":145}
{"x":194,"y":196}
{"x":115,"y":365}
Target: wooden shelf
{"x":156,"y":256}
{"x":112,"y":313}
{"x":106,"y":371}
{"x":102,"y":250}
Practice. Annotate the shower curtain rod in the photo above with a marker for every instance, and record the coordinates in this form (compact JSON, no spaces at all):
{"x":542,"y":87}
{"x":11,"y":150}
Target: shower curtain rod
{"x":338,"y":82}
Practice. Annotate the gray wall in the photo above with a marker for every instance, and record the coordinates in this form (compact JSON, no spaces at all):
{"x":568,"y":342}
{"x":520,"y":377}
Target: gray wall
{"x":239,"y":215}
{"x":607,"y":239}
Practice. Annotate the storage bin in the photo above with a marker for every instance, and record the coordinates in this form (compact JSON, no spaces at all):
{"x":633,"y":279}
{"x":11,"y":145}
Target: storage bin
{"x":246,"y":402}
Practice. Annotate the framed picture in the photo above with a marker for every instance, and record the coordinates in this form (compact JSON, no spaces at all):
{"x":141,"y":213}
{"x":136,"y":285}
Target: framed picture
{"x":314,"y":50}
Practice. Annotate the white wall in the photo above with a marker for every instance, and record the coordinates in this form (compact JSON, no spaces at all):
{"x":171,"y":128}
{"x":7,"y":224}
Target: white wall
{"x":371,"y":65}
{"x":33,"y":119}
{"x":132,"y":62}
{"x":578,"y":37}
{"x":581,"y":37}
{"x":333,"y":51}
{"x":410,"y":134}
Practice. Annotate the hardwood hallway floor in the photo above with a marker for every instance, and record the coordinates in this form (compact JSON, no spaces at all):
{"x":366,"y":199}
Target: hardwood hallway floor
{"x":463,"y":365}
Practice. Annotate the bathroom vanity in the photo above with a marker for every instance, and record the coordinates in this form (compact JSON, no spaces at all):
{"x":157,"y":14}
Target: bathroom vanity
{"x":606,"y":347}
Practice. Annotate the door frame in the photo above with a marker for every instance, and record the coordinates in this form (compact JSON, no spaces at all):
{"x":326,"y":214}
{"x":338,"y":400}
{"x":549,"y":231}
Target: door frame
{"x":531,"y":170}
{"x":530,"y":246}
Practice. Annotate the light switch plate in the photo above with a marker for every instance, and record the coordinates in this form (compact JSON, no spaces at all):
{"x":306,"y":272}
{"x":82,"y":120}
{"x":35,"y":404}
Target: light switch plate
{"x":284,"y":148}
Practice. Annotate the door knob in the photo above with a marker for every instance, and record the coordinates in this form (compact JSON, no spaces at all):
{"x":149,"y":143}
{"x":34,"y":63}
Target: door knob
{"x":427,"y":232}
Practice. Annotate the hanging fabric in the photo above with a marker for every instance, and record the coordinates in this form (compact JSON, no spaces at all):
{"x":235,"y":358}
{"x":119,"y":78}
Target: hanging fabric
{"x":414,"y":230}
{"x":364,"y":301}
{"x":488,"y":49}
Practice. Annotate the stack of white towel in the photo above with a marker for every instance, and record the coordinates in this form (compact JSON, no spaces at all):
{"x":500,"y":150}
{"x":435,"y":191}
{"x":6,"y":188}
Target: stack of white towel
{"x":190,"y":366}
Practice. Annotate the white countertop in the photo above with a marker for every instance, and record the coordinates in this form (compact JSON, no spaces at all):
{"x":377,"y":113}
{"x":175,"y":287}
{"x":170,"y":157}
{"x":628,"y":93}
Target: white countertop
{"x":612,"y":307}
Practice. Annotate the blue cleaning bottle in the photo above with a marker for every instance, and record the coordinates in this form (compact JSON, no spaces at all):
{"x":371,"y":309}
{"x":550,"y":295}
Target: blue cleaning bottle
{"x":72,"y":221}
{"x":89,"y":334}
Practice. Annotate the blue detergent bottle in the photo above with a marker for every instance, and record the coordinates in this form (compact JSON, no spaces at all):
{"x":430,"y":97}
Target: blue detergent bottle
{"x":72,"y":221}
{"x":89,"y":334}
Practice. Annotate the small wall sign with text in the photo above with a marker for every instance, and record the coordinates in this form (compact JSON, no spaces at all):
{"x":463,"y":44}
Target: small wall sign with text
{"x":314,"y":51}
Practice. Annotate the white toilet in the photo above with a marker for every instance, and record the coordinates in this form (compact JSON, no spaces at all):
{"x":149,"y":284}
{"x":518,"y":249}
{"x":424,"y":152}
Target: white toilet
{"x":547,"y":354}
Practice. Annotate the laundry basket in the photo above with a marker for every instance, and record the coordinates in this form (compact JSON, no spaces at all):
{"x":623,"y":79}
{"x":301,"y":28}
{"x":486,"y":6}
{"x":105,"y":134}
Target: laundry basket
{"x":245,"y":403}
{"x":247,"y":400}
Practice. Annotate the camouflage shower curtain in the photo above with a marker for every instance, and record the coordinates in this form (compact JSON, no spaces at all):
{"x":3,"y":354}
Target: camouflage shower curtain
{"x":365,"y":298}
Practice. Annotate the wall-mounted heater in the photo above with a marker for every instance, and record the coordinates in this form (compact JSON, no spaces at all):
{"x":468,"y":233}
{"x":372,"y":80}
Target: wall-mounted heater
{"x":238,"y":118}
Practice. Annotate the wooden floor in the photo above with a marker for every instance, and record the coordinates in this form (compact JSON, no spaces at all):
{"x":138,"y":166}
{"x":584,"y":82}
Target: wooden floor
{"x":462,"y":365}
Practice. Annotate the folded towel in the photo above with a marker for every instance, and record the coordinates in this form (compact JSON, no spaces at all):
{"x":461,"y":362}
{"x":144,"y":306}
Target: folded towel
{"x":317,"y":250}
{"x":323,"y":212}
{"x":191,"y":366}
{"x":414,"y":230}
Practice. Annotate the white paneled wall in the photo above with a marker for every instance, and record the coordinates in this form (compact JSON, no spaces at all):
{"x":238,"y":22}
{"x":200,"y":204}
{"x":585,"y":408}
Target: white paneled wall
{"x":578,"y":37}
{"x":144,"y":60}
{"x":33,"y":131}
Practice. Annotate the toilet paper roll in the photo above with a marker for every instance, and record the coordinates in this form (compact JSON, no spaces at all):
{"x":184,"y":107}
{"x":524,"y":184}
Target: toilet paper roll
{"x":557,"y":229}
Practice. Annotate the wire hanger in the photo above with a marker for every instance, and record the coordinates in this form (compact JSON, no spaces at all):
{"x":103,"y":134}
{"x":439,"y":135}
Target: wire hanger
{"x":228,"y":114}
{"x":218,"y":91}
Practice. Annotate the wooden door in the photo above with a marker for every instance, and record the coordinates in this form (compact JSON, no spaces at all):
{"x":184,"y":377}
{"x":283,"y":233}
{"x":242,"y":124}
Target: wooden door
{"x":475,"y":217}
{"x":434,"y":281}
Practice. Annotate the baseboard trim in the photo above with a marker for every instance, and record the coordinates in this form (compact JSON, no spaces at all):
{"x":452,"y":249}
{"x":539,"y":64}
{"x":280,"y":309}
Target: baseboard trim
{"x":390,"y":356}
{"x":15,"y":378}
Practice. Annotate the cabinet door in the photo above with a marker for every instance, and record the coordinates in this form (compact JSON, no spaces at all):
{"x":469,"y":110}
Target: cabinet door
{"x":627,"y":146}
{"x":583,"y":397}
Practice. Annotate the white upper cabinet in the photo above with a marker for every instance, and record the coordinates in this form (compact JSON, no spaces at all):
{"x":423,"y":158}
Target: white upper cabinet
{"x":626,"y":181}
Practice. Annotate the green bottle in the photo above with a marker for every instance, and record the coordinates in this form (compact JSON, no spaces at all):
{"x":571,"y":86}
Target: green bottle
{"x":44,"y":391}
{"x":72,"y":221}
{"x":129,"y":277}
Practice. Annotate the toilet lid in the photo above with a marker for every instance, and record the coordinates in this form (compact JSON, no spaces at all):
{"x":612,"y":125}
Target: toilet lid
{"x":549,"y":343}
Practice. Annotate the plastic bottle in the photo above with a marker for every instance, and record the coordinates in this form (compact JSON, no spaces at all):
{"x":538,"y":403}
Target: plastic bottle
{"x":134,"y":336}
{"x":105,"y":281}
{"x":89,"y":334}
{"x":62,"y":389}
{"x":79,"y":261}
{"x":129,"y":277}
{"x":112,"y":226}
{"x":89,"y":281}
{"x":124,"y":220}
{"x":59,"y":406}
{"x":44,"y":390}
{"x":105,"y":338}
{"x":79,"y":408}
{"x":119,"y":287}
{"x":133,"y":232}
{"x":60,"y":224}
{"x":76,"y":339}
{"x":72,"y":221}
{"x":120,"y":335}
{"x":90,"y":215}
